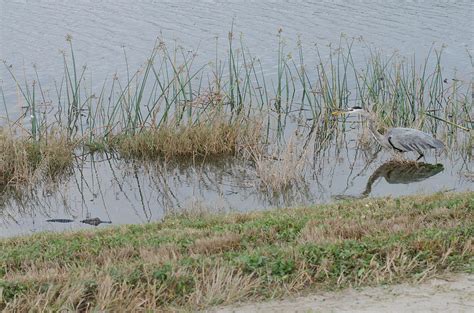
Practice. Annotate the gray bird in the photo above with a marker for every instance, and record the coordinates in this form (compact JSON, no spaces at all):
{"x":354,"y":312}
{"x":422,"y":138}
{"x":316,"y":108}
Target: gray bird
{"x":398,"y":139}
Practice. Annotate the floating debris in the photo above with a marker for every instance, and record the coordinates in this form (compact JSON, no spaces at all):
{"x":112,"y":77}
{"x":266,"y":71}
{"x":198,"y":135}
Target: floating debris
{"x":60,"y":220}
{"x":95,"y":221}
{"x":91,"y":221}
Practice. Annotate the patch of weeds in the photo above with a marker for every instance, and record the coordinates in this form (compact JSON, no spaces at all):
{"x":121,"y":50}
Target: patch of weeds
{"x":282,"y":268}
{"x":44,"y":287}
{"x":96,"y":147}
{"x":313,"y":254}
{"x":136,"y":276}
{"x":183,"y":285}
{"x":163,"y":273}
{"x":252,"y":263}
{"x":172,"y":286}
{"x":89,"y":293}
{"x":189,"y":262}
{"x":33,"y":152}
{"x":130,"y":277}
{"x":185,"y":242}
{"x":116,"y":274}
{"x":348,"y":257}
{"x":275,"y":265}
{"x":10,"y":290}
{"x":288,"y":230}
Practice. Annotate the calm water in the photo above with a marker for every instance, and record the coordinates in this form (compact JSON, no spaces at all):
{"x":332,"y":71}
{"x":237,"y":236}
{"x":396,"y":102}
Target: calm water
{"x":34,"y":33}
{"x":124,"y":193}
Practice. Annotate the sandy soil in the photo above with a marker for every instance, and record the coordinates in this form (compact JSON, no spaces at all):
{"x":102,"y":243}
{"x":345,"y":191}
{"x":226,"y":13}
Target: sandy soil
{"x":454,"y":293}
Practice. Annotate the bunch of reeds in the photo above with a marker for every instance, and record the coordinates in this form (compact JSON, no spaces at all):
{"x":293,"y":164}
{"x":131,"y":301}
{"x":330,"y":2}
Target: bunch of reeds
{"x":171,"y":107}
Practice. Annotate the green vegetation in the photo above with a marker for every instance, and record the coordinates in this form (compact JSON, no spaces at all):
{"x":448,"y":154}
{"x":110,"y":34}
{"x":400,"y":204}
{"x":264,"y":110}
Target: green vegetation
{"x":23,"y":160}
{"x":172,"y":109}
{"x":196,"y":261}
{"x":169,"y":102}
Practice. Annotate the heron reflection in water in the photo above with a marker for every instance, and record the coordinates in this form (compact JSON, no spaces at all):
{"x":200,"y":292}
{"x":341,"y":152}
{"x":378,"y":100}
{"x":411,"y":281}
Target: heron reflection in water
{"x":398,"y":172}
{"x":405,"y":172}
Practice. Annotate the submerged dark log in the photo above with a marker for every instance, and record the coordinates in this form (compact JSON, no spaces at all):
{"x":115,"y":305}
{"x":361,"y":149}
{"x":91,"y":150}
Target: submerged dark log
{"x":60,"y":220}
{"x":95,"y":221}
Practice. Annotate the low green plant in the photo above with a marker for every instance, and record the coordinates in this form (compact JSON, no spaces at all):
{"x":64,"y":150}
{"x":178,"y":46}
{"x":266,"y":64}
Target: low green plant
{"x":169,"y":265}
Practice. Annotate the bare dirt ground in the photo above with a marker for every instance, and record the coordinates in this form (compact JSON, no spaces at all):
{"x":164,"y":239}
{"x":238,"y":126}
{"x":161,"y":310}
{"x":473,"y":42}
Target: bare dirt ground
{"x":453,"y":293}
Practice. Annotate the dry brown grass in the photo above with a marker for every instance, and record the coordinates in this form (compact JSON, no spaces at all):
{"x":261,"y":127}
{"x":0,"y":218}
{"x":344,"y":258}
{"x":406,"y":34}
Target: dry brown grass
{"x":221,"y":284}
{"x":23,"y":160}
{"x":216,"y":244}
{"x":339,"y":229}
{"x":213,"y":137}
{"x":193,"y":262}
{"x":214,"y":285}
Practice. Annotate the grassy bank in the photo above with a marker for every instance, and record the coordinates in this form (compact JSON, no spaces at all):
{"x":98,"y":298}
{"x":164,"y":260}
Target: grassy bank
{"x":196,"y":261}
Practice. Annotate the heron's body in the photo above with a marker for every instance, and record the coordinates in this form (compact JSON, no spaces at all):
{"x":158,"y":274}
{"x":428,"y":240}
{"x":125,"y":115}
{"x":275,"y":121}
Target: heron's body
{"x":400,"y":139}
{"x":409,"y":139}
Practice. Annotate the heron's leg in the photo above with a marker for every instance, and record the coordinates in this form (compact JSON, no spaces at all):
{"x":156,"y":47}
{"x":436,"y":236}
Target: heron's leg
{"x":421,"y":156}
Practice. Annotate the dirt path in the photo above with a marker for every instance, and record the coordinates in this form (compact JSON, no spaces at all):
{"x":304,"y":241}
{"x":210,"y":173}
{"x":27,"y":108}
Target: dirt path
{"x":454,"y":293}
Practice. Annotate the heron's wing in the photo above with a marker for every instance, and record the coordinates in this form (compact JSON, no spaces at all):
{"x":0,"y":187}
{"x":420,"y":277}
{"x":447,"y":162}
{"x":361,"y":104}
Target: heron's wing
{"x":409,"y":139}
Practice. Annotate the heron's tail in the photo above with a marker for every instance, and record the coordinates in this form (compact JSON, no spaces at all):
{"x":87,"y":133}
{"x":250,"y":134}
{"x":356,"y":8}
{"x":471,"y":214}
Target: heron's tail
{"x":437,"y":144}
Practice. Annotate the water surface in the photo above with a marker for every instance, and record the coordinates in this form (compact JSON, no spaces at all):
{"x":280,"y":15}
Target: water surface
{"x":33,"y":32}
{"x":123,"y":192}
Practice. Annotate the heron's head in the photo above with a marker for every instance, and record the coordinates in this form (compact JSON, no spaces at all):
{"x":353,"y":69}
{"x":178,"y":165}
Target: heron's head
{"x":350,"y":110}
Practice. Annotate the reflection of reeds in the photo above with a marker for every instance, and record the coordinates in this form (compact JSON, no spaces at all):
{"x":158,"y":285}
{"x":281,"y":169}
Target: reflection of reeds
{"x":278,"y":174}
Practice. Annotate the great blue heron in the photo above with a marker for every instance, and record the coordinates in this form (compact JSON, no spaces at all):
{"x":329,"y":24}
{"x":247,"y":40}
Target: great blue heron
{"x":398,"y":139}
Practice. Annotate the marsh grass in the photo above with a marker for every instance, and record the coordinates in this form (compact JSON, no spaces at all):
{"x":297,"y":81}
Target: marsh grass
{"x":194,"y":262}
{"x":210,"y":139}
{"x":172,"y":107}
{"x":22,"y":160}
{"x":170,"y":90}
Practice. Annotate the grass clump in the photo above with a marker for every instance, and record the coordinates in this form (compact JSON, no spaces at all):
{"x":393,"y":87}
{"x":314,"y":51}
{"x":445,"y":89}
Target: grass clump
{"x":23,"y":159}
{"x":170,"y":100}
{"x":194,"y":262}
{"x":202,"y":139}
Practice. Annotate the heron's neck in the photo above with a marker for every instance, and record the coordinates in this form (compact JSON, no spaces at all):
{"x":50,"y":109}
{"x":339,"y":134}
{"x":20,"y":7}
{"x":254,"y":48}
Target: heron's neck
{"x":373,"y":129}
